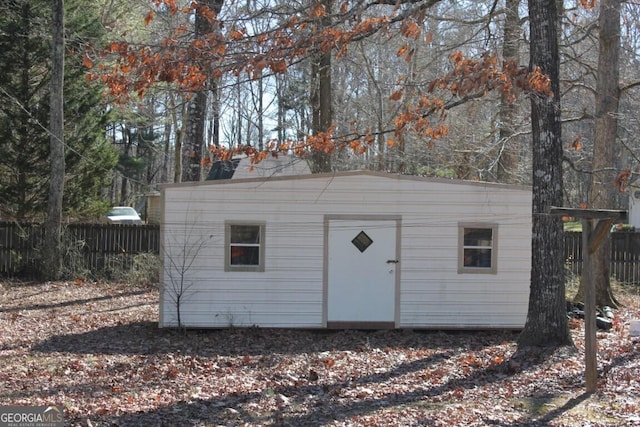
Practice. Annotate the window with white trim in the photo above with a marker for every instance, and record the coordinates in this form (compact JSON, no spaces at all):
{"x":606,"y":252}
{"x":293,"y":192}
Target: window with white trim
{"x":477,"y":248}
{"x":244,"y":246}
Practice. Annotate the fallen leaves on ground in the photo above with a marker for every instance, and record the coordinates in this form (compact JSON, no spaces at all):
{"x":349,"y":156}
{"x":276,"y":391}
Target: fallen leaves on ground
{"x":95,"y":349}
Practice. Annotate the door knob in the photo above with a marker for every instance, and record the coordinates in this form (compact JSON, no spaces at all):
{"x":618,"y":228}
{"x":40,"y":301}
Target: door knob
{"x":393,"y":261}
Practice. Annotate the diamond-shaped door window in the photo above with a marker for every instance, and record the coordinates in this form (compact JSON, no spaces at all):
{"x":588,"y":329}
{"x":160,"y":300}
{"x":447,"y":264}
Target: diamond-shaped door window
{"x":362,"y":241}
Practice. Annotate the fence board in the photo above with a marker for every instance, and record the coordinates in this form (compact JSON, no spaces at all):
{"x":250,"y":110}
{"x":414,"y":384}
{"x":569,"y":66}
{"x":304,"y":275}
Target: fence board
{"x":99,"y":245}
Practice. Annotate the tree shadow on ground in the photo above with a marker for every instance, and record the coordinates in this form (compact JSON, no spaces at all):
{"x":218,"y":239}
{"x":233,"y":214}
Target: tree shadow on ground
{"x":77,"y":302}
{"x":125,"y":339}
{"x":228,"y":408}
{"x":540,"y":404}
{"x":233,"y":400}
{"x":230,"y":411}
{"x":496,"y":372}
{"x":555,"y":413}
{"x":146,"y":338}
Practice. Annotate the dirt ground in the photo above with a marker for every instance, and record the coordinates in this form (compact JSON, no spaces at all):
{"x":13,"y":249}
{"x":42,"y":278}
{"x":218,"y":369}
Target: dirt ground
{"x":95,"y":349}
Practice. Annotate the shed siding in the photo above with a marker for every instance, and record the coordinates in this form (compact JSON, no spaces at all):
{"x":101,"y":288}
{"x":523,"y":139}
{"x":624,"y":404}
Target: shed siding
{"x":289,"y":293}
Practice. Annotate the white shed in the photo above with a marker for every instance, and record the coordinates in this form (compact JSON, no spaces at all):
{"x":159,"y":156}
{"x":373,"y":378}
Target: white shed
{"x":345,"y":250}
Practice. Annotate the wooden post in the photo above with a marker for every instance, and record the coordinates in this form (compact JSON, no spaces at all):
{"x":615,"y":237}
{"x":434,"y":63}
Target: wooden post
{"x":590,"y":342}
{"x":591,"y":238}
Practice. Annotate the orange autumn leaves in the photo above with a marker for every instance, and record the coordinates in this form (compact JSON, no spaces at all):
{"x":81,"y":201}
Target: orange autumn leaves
{"x":187,"y":64}
{"x":468,"y":78}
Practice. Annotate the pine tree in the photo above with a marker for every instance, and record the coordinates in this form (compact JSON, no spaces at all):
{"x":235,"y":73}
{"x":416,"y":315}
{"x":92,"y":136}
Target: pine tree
{"x":24,"y":113}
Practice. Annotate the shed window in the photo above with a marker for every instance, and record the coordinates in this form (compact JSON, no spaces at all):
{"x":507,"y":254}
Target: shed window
{"x":362,"y":241}
{"x":244,"y":246}
{"x":477,"y":248}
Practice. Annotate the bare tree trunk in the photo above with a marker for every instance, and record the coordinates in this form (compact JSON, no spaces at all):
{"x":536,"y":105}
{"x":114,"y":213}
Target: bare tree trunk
{"x":216,"y":117}
{"x":281,"y":109}
{"x":194,"y":141}
{"x":164,"y":175}
{"x":194,"y":137}
{"x":601,"y":194}
{"x":510,"y":144}
{"x":127,"y":142}
{"x":52,"y":251}
{"x":321,"y":99}
{"x":546,"y":323}
{"x":179,"y":137}
{"x":177,"y":160}
{"x":260,"y":111}
{"x":239,"y":109}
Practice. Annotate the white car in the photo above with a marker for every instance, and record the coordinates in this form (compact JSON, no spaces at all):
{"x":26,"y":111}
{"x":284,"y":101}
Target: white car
{"x":124,"y":215}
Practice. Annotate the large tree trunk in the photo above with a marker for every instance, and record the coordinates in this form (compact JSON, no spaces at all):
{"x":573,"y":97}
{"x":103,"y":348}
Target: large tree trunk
{"x":321,"y":100}
{"x":546,"y":323}
{"x":195,"y":134}
{"x":601,"y":193}
{"x":52,"y":251}
{"x":510,"y":144}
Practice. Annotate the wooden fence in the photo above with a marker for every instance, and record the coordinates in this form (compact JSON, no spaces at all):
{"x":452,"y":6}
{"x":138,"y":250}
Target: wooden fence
{"x":100,"y":247}
{"x":92,"y":247}
{"x":625,"y":254}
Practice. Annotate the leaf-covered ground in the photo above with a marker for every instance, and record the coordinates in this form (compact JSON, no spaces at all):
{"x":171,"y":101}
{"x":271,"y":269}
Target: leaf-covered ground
{"x":96,"y":350}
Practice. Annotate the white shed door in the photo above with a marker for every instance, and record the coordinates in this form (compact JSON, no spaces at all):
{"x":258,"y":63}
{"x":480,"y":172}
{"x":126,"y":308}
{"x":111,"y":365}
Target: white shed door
{"x":361,"y":271}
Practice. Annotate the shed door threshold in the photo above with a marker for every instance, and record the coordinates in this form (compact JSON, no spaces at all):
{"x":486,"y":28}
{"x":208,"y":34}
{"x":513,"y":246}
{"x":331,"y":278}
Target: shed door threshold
{"x":360,"y":325}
